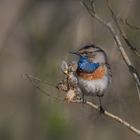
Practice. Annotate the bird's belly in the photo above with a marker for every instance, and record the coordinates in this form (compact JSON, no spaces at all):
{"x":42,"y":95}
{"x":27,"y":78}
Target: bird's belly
{"x":93,"y":87}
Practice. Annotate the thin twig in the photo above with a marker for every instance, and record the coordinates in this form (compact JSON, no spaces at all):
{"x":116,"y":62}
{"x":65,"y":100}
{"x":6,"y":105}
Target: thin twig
{"x":122,"y":33}
{"x":125,"y":22}
{"x":138,"y":90}
{"x":114,"y":34}
{"x":31,"y":79}
{"x":39,"y":80}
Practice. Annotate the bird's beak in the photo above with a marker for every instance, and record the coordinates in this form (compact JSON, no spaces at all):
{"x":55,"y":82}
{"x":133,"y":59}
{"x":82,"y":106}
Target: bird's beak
{"x":76,"y":53}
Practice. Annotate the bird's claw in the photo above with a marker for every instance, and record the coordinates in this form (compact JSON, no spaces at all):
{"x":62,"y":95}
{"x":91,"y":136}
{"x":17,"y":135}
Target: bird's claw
{"x":101,"y":109}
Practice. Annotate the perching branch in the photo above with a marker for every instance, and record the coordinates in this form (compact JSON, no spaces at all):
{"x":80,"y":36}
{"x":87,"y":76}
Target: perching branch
{"x":111,"y":116}
{"x":114,"y":34}
{"x":90,"y":104}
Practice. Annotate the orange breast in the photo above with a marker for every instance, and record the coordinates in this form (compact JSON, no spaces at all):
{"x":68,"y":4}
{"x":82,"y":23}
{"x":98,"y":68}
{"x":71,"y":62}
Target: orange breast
{"x":97,"y":74}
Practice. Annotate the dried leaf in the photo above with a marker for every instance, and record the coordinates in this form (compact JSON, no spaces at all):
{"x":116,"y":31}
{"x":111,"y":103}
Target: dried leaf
{"x":64,"y":67}
{"x":70,"y":95}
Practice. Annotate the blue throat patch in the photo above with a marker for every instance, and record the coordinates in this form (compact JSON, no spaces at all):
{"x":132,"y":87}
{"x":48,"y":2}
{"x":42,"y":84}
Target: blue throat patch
{"x":86,"y":66}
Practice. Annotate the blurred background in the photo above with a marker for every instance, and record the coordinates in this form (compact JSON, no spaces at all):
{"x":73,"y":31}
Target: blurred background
{"x":35,"y":36}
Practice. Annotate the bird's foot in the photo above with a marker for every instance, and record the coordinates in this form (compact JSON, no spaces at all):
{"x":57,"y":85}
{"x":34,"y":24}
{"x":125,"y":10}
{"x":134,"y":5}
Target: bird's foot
{"x":101,"y":109}
{"x":83,"y":101}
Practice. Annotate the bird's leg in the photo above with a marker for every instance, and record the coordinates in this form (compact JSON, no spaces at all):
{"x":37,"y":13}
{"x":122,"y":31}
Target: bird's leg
{"x":83,"y":99}
{"x":101,"y":107}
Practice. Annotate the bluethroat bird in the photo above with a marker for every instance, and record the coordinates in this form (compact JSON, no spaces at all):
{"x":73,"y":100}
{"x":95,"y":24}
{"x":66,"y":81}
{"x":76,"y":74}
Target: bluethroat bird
{"x":93,"y":72}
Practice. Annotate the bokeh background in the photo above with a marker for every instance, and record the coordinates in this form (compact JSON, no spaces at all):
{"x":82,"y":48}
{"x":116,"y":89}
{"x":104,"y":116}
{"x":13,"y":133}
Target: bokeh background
{"x":35,"y":36}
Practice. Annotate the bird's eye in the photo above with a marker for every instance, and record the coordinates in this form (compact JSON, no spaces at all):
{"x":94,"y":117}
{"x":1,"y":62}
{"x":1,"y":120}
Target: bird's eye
{"x":84,"y":54}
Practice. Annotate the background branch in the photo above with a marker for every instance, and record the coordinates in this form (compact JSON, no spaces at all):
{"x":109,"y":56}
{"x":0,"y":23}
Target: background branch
{"x":125,"y":22}
{"x":114,"y":34}
{"x":122,"y":33}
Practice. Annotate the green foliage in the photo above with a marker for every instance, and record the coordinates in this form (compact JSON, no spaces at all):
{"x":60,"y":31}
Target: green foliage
{"x":56,"y":125}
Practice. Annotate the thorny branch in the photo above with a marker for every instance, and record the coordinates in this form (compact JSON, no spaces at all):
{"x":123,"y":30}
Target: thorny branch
{"x":91,"y":10}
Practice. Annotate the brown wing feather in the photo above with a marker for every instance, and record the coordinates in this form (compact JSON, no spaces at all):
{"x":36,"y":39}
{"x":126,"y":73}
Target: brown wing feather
{"x":109,"y":72}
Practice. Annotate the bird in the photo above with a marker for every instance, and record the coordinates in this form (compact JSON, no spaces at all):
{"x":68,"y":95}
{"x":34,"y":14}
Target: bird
{"x":93,"y":72}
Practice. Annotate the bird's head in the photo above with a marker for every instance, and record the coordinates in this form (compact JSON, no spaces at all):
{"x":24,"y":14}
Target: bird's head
{"x":91,"y":53}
